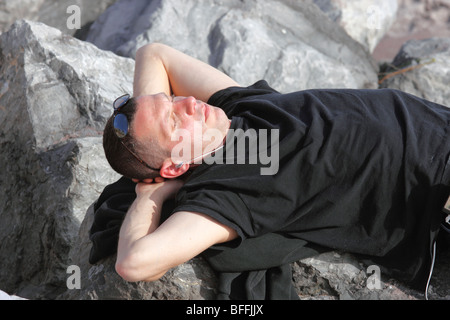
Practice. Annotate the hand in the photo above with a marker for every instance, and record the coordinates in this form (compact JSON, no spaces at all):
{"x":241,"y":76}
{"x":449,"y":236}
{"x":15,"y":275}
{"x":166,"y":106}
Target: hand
{"x":159,"y":189}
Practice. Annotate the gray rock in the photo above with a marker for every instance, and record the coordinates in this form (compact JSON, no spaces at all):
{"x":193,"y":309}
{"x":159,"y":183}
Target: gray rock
{"x":341,"y":276}
{"x":290,"y":43}
{"x":55,"y":95}
{"x":55,"y":13}
{"x":426,"y":65}
{"x":366,"y":21}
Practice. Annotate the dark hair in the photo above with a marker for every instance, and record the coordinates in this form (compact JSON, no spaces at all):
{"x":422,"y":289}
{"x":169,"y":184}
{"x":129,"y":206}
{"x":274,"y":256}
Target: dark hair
{"x":119,"y":158}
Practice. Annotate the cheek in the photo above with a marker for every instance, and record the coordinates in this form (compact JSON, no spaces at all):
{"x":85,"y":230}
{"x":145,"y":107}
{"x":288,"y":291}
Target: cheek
{"x":193,"y":129}
{"x":182,"y":136}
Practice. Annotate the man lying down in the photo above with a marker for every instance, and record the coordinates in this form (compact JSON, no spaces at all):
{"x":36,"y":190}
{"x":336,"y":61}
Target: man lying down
{"x":361,"y":171}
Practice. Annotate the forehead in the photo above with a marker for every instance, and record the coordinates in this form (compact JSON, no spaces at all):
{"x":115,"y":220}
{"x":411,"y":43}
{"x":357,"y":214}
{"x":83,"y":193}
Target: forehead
{"x":150,"y":100}
{"x":149,"y":111}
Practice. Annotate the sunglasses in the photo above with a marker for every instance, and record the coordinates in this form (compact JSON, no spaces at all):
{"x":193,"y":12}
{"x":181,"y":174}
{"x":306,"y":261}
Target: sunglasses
{"x":121,"y":126}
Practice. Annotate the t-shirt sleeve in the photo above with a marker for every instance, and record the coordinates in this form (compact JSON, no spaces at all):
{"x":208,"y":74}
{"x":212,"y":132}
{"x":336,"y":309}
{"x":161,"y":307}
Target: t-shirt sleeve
{"x":222,"y":205}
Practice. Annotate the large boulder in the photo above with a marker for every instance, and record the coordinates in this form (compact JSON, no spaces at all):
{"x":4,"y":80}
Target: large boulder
{"x":55,"y":96}
{"x":292,"y":44}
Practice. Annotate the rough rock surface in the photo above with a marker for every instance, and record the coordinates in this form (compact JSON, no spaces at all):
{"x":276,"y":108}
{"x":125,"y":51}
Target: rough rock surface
{"x":292,"y":44}
{"x":55,"y":94}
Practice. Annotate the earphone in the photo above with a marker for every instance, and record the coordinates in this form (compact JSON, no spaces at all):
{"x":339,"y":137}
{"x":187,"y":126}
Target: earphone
{"x":179,"y":165}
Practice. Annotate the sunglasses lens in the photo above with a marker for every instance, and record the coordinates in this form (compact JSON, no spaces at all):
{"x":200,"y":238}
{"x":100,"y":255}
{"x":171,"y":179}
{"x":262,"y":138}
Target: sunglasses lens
{"x":121,"y":101}
{"x":121,"y":125}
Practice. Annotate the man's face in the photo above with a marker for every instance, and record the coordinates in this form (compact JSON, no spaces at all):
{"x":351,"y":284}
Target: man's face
{"x":180,"y":122}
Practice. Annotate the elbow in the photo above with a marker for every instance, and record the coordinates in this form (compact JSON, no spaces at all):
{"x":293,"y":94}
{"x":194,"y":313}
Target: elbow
{"x":150,"y":48}
{"x":126,"y":270}
{"x":131,"y":270}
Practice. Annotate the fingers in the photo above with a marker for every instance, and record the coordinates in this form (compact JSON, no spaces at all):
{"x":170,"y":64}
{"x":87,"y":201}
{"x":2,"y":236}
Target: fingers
{"x":156,"y":180}
{"x":159,"y":179}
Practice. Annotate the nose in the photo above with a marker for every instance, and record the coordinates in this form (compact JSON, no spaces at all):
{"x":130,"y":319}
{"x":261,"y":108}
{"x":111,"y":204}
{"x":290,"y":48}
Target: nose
{"x":185,"y":105}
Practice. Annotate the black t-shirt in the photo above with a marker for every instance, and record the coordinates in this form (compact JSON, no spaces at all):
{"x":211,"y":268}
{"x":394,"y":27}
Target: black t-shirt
{"x":357,"y":170}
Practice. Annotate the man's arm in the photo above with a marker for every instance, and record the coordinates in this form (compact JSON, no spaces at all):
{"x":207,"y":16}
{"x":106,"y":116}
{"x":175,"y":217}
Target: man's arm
{"x":146,"y":250}
{"x":160,"y":68}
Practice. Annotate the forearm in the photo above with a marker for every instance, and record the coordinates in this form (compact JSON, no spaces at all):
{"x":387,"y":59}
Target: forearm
{"x":141,"y":219}
{"x":180,"y":238}
{"x":139,"y":251}
{"x":160,"y":68}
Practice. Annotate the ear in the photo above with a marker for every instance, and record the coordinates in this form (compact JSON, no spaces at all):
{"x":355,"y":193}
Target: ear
{"x":169,"y":170}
